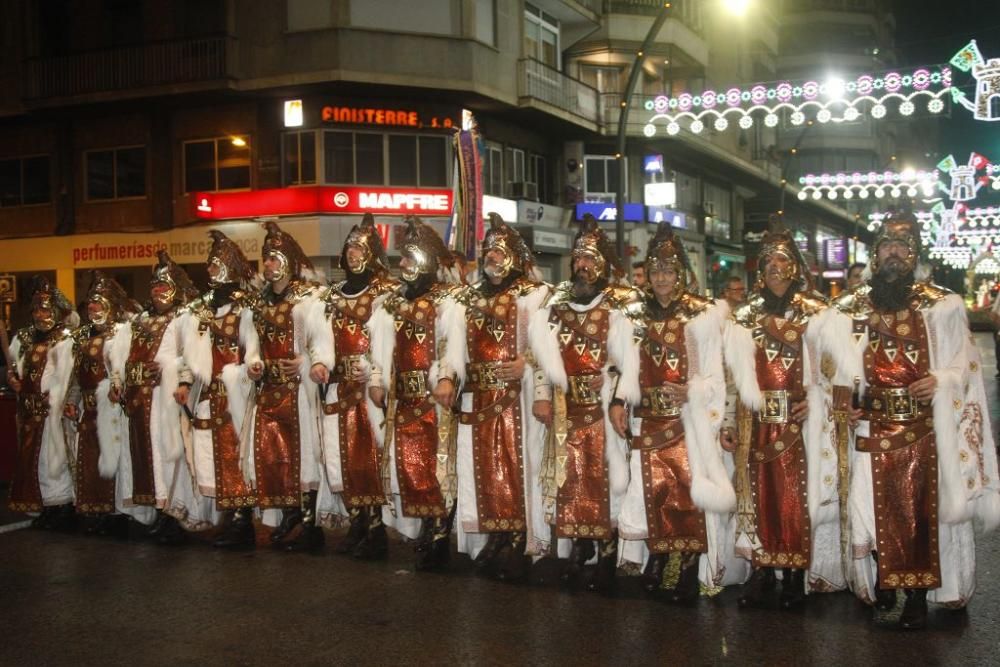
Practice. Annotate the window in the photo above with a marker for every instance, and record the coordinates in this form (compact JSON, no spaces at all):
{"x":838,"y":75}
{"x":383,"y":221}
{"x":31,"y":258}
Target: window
{"x":116,"y":173}
{"x":378,"y":159}
{"x":217,"y":164}
{"x":493,"y":170}
{"x":25,"y":181}
{"x":298,"y":165}
{"x":515,"y":169}
{"x":604,"y":79}
{"x":601,"y":173}
{"x":486,"y":30}
{"x":537,"y":176}
{"x":541,"y":36}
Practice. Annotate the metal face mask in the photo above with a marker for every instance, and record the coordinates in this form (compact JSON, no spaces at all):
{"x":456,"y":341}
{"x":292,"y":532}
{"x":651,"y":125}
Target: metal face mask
{"x":279,"y":274}
{"x":221,"y":276}
{"x":359,"y":261}
{"x":790,"y":272}
{"x":503,"y":269}
{"x":43,"y":318}
{"x":163,"y":297}
{"x":419,"y":263}
{"x":590,"y":274}
{"x":99,"y":315}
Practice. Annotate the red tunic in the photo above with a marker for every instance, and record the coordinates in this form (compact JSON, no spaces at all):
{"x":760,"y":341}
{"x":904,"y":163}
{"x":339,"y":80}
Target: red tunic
{"x":147,"y":334}
{"x":673,"y":521}
{"x":359,"y":453}
{"x":416,"y":427}
{"x":777,"y":453}
{"x":94,"y":494}
{"x":582,"y":503}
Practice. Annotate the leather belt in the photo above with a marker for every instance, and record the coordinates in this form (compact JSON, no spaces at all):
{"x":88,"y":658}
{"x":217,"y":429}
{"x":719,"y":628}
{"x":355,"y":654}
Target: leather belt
{"x":216,"y":388}
{"x":484,"y":375}
{"x":580,"y":392}
{"x":274,"y":375}
{"x":657,"y":402}
{"x":347,"y":367}
{"x":778,"y":405}
{"x":207,"y":424}
{"x":491,"y":411}
{"x":348,"y":401}
{"x":894,"y":404}
{"x":138,"y":374}
{"x":411,"y":384}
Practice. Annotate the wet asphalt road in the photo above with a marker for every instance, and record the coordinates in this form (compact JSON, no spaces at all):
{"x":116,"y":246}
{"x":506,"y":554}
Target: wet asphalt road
{"x":70,"y":599}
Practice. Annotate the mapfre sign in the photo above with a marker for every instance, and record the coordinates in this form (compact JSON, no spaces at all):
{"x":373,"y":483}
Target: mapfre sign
{"x":321,"y":200}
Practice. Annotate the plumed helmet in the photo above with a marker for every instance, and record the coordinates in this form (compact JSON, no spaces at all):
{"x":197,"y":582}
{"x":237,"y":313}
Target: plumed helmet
{"x":281,"y":245}
{"x":591,"y":241}
{"x":168,"y":272}
{"x":45,"y":295}
{"x":501,"y":236}
{"x":226,"y":254}
{"x":367,"y":239}
{"x":106,"y":291}
{"x":423,"y":246}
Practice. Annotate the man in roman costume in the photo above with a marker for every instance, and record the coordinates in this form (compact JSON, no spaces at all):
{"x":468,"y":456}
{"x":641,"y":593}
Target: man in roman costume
{"x":144,"y":380}
{"x":496,"y":425}
{"x":680,"y":498}
{"x":222,"y":397}
{"x":415,"y":373}
{"x":289,"y":352}
{"x":786,"y":470}
{"x":580,"y":339}
{"x":353,"y":456}
{"x":924,"y":468}
{"x":42,"y":353}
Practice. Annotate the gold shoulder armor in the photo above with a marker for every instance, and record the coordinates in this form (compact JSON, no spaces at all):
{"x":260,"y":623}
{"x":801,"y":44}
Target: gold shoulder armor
{"x":695,"y":304}
{"x":748,"y":313}
{"x":929,"y":294}
{"x":811,"y":303}
{"x":854,"y":303}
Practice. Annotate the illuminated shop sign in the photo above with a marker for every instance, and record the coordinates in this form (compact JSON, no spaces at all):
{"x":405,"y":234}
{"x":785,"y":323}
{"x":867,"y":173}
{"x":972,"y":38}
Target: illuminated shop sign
{"x":606,"y":212}
{"x":348,"y":115}
{"x":320,"y":199}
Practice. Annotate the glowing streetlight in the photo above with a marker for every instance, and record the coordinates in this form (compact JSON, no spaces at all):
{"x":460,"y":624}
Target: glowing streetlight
{"x":737,"y":7}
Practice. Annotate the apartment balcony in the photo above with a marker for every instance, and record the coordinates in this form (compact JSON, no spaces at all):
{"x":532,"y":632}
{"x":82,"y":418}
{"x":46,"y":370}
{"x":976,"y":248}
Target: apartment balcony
{"x":549,"y":90}
{"x":162,"y":67}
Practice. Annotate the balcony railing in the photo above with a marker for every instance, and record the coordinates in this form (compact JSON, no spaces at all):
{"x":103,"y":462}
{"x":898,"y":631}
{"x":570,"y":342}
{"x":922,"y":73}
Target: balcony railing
{"x":538,"y":81}
{"x":141,"y":66}
{"x":688,"y":12}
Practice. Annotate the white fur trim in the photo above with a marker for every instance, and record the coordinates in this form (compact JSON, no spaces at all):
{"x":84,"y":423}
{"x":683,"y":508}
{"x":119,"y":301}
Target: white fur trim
{"x":55,"y":380}
{"x":169,"y":416}
{"x":248,"y":337}
{"x":109,"y":431}
{"x":545,"y":347}
{"x":740,"y":353}
{"x":197,"y":346}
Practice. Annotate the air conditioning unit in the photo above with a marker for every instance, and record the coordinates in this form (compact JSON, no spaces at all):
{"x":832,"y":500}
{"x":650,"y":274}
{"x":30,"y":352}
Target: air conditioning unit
{"x":522,"y":190}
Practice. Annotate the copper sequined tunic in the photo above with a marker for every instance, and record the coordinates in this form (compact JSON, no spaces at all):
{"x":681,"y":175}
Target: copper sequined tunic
{"x":359,"y":453}
{"x":583,"y":503}
{"x":277,"y":445}
{"x":777,"y":452}
{"x":147,"y":334}
{"x":673,"y":521}
{"x":492,"y":337}
{"x":94,"y":494}
{"x":416,"y":427}
{"x":231,"y":489}
{"x":903,"y":451}
{"x":32,"y":410}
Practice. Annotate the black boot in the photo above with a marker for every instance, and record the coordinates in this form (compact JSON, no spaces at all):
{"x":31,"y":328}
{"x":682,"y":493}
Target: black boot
{"x":760,"y":582}
{"x":355,"y":533}
{"x":158,"y":524}
{"x":438,"y":551}
{"x":105,"y":524}
{"x":885,"y":599}
{"x":582,"y":551}
{"x":239,"y":532}
{"x":604,"y":579}
{"x":687,"y":589}
{"x":375,"y":546}
{"x":90,"y":522}
{"x":652,"y":574}
{"x":485,"y":561}
{"x":514,"y":563}
{"x":291,"y":517}
{"x":63,"y":518}
{"x":914,"y":616}
{"x":43,"y":520}
{"x":311,"y":537}
{"x":172,"y":534}
{"x":793,"y":588}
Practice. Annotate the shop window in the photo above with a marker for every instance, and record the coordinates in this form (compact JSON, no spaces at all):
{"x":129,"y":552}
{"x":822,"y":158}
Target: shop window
{"x":25,"y":181}
{"x":601,"y":173}
{"x":299,"y":161}
{"x":541,"y":36}
{"x":116,"y":173}
{"x":217,"y":164}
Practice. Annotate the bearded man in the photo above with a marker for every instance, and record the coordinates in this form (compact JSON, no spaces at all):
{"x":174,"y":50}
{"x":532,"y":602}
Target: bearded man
{"x":788,"y":500}
{"x":924,"y":467}
{"x":415,"y":373}
{"x":143,"y":380}
{"x":680,"y":498}
{"x":289,"y":351}
{"x":42,"y":481}
{"x":353,"y":459}
{"x":580,"y":340}
{"x":496,"y":427}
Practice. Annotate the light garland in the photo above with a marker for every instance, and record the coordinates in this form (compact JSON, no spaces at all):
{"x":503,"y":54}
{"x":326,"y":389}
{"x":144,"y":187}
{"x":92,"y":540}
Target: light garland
{"x":987,"y":76}
{"x":832,"y":101}
{"x":876,"y":184}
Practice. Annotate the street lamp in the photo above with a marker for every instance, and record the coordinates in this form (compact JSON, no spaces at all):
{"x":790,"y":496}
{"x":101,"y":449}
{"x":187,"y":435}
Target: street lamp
{"x":737,"y":7}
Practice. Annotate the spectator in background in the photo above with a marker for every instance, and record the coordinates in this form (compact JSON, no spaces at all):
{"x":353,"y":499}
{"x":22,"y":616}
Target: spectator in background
{"x":734,"y":292}
{"x":639,"y":275}
{"x":854,"y":275}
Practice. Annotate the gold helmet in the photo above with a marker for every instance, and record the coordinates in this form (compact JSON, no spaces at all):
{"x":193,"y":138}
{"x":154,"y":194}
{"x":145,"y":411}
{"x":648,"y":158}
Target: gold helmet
{"x":115,"y":303}
{"x":425,"y":249}
{"x":778,"y":240}
{"x":289,"y":253}
{"x":168,"y":272}
{"x":501,"y":236}
{"x":666,"y":251}
{"x":367,"y":239}
{"x":591,"y":241}
{"x":903,"y":228}
{"x":228,"y":258}
{"x":46,"y":296}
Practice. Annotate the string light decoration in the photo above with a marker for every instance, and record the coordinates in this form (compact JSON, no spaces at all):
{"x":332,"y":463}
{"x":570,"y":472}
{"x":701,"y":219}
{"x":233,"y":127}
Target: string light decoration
{"x":833,"y":101}
{"x":986,"y":73}
{"x":872,"y":184}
